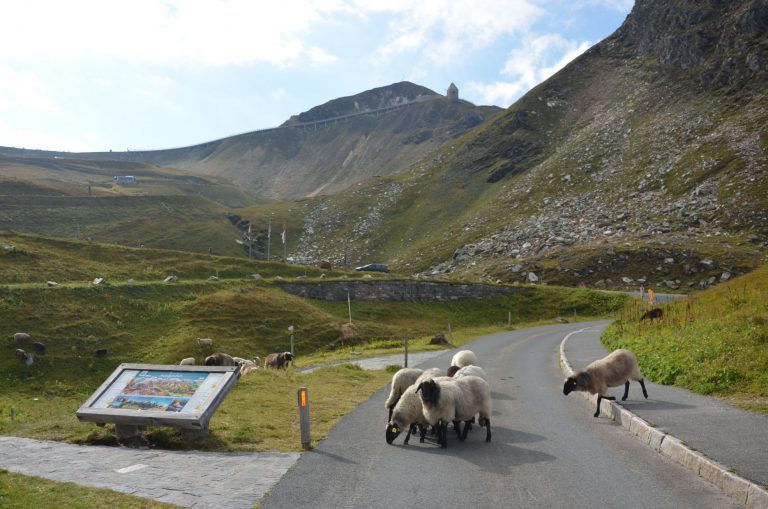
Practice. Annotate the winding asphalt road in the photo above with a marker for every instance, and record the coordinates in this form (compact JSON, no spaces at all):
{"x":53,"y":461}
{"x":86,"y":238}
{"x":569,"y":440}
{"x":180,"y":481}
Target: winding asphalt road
{"x":547,"y":449}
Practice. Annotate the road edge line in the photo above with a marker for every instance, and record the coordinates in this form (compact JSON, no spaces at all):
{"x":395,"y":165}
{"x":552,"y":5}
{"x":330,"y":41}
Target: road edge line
{"x":744,"y":491}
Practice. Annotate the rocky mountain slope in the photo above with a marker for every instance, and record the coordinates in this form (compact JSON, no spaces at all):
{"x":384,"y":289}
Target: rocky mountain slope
{"x":323,"y":150}
{"x":643,"y":162}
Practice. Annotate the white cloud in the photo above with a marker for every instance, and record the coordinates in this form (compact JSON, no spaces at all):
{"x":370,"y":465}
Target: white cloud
{"x":538,"y":59}
{"x":446,"y":30}
{"x":23,"y":90}
{"x":616,"y":5}
{"x":35,"y":139}
{"x":208,"y":32}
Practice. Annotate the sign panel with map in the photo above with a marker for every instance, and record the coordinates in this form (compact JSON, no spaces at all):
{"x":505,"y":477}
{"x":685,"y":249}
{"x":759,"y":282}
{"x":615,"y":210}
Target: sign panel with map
{"x":143,"y":394}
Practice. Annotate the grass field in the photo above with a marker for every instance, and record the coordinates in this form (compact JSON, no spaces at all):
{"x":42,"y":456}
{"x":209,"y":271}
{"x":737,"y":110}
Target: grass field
{"x":714,"y":342}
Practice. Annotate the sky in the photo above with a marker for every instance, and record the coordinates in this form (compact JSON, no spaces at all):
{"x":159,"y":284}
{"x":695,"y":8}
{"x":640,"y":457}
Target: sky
{"x":98,"y":75}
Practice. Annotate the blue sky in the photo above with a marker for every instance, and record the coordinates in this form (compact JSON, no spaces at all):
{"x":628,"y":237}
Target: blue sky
{"x":85,"y":75}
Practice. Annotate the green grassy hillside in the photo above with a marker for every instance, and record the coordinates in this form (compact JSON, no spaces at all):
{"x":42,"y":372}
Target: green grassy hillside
{"x":714,"y":342}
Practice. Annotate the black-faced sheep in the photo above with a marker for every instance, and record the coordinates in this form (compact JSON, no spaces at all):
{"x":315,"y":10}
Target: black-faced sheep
{"x":616,"y":368}
{"x":403,"y":379}
{"x":278,"y":360}
{"x":408,"y":413}
{"x":653,"y":314}
{"x":219,"y":359}
{"x":464,"y":358}
{"x":445,"y":400}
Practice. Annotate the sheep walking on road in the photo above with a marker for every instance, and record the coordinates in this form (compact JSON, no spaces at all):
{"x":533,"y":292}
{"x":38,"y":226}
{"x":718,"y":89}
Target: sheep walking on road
{"x":464,"y":358}
{"x":445,"y":400}
{"x":616,"y":368}
{"x":403,"y":379}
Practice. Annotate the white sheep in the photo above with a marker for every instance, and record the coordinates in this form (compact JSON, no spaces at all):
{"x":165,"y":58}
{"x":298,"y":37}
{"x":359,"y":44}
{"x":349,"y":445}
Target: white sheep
{"x":471,"y":371}
{"x":403,"y":379}
{"x":407,"y":409}
{"x":25,"y":357}
{"x":616,"y":368}
{"x":448,"y":399}
{"x":21,"y":336}
{"x":248,"y":366}
{"x":464,"y":358}
{"x":187,"y":361}
{"x":208,"y":342}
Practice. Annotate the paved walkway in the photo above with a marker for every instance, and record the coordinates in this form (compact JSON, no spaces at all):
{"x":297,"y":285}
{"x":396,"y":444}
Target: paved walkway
{"x":185,"y":478}
{"x":735,"y":439}
{"x":414,"y":359}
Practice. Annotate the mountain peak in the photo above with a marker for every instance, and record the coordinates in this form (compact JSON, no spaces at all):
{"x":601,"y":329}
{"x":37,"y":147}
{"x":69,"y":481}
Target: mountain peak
{"x":374,"y":99}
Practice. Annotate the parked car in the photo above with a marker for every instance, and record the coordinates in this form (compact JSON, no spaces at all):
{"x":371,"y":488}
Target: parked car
{"x":374,"y":267}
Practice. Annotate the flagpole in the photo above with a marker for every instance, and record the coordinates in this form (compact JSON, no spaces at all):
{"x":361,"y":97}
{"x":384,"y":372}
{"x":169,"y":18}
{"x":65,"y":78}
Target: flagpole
{"x":269,"y":237}
{"x":250,"y":241}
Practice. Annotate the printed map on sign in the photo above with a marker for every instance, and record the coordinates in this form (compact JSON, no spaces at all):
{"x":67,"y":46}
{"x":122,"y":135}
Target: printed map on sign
{"x":160,"y":391}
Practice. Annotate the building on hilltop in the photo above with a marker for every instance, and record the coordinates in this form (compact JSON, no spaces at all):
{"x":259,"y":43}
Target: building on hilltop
{"x":453,"y":92}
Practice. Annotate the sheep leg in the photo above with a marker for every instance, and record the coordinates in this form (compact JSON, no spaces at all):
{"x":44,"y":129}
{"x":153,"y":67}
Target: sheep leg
{"x":391,"y":409}
{"x":626,"y":391}
{"x":467,"y":427}
{"x":423,"y":433}
{"x":642,"y":384}
{"x":442,"y":432}
{"x":487,"y":429}
{"x":457,"y":428}
{"x":408,"y":436}
{"x":600,"y":397}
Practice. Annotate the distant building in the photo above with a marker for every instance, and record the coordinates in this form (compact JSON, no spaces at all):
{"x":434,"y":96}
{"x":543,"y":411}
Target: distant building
{"x":453,"y":92}
{"x":124,"y":180}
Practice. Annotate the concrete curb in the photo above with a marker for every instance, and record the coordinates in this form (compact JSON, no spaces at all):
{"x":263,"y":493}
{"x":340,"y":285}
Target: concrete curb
{"x":744,"y":491}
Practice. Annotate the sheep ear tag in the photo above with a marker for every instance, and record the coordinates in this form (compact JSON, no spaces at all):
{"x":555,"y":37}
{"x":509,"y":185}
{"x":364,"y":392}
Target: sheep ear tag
{"x":395,"y":429}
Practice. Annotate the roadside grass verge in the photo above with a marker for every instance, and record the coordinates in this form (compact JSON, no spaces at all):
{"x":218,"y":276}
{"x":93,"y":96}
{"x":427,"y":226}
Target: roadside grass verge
{"x":714,"y":342}
{"x":27,"y":492}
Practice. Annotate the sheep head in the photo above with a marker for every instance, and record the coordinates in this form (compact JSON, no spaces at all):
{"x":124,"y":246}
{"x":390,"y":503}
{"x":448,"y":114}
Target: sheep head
{"x":393,"y":431}
{"x":430,"y":392}
{"x":452,"y":371}
{"x":577,"y":382}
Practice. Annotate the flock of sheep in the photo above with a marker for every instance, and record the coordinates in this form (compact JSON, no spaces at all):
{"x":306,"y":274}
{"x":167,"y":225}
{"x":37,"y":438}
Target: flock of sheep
{"x":419,"y":398}
{"x":279,"y":360}
{"x":422,"y":398}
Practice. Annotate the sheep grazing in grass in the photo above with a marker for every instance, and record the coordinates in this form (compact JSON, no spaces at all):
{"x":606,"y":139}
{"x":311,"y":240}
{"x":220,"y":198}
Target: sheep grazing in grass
{"x":21,"y":336}
{"x":25,"y":357}
{"x":403,"y":379}
{"x":616,"y":368}
{"x":101,"y":352}
{"x":187,"y":361}
{"x":445,"y":400}
{"x":653,"y":314}
{"x":205,"y":342}
{"x":248,"y":366}
{"x":40,"y":347}
{"x":278,"y":360}
{"x":219,"y":359}
{"x":464,"y":358}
